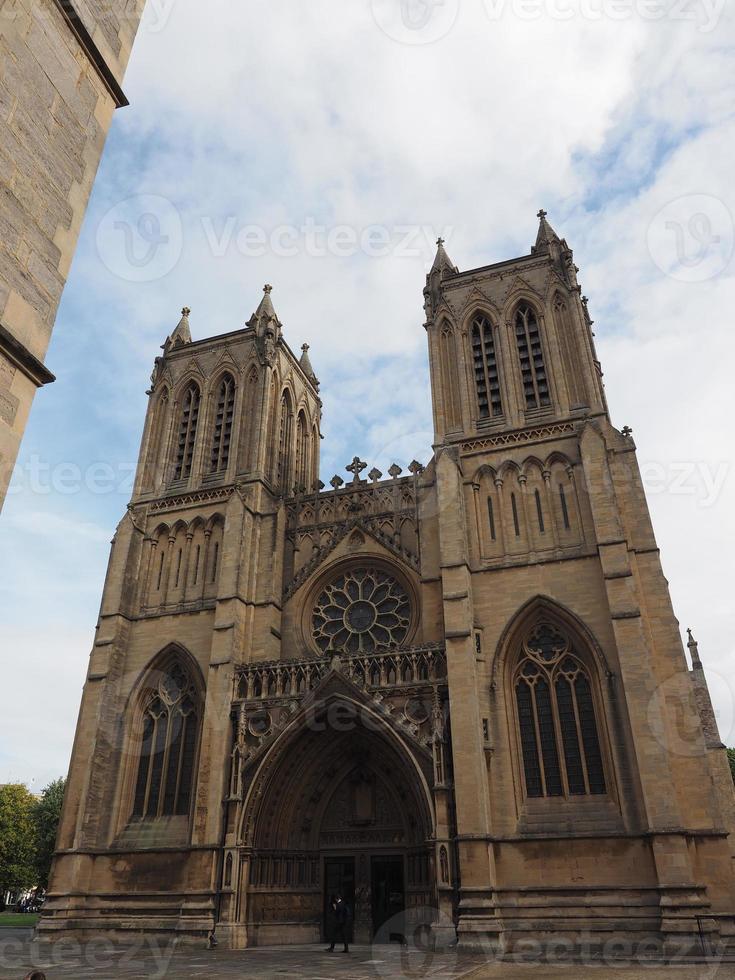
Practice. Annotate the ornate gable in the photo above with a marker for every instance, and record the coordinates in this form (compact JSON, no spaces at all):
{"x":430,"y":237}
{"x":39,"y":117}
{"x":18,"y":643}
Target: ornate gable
{"x":357,"y":535}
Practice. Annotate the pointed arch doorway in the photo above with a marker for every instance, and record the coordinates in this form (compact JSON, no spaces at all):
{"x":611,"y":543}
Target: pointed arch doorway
{"x":339,"y":803}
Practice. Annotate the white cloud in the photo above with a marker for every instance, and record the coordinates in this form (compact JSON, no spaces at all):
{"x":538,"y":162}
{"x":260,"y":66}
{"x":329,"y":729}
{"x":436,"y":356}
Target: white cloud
{"x":37,"y":721}
{"x":276,"y":113}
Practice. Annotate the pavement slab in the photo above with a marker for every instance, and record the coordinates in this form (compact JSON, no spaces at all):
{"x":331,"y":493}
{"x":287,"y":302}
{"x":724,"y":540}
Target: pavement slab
{"x":103,"y":960}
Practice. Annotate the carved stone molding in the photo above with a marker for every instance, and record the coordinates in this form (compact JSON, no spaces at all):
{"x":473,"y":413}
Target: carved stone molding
{"x":195,"y":497}
{"x":520,"y":436}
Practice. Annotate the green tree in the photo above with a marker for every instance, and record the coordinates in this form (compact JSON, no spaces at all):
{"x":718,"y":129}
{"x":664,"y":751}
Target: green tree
{"x":731,"y":760}
{"x":46,"y":816}
{"x":17,"y":838}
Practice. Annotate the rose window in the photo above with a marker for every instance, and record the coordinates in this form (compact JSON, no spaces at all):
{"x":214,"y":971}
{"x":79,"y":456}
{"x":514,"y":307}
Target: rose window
{"x":362,"y":611}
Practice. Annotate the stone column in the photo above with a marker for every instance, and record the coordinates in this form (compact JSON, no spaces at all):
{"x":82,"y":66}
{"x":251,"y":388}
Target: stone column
{"x":476,"y":866}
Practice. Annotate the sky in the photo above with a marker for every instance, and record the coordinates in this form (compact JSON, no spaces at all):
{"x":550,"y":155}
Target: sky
{"x":322,"y":147}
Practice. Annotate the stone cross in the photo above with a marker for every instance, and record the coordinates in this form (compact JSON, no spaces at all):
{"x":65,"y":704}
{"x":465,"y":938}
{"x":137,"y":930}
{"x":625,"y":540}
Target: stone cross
{"x":356,"y":467}
{"x":626,"y":431}
{"x":542,"y":214}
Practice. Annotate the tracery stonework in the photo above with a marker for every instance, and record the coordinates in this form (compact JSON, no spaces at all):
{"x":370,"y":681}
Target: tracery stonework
{"x":363,"y":610}
{"x":459,"y":688}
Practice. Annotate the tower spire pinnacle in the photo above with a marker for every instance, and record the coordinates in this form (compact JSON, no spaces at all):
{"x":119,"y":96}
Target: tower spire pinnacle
{"x":181,"y":334}
{"x":442,"y":262}
{"x":266,"y":325}
{"x":546,"y":234}
{"x":265,"y":315}
{"x":306,"y":367}
{"x":694,"y":651}
{"x":265,"y":307}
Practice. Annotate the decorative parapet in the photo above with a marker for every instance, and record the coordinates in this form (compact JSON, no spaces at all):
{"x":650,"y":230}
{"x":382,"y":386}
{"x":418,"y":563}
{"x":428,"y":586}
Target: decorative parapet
{"x":290,"y":680}
{"x":324,"y":507}
{"x":408,"y":687}
{"x":386,"y":509}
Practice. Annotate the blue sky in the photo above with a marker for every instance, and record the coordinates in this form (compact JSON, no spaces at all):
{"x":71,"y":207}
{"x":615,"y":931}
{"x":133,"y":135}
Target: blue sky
{"x":305,"y":126}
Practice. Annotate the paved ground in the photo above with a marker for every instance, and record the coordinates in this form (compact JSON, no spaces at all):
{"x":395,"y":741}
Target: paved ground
{"x":100,"y":960}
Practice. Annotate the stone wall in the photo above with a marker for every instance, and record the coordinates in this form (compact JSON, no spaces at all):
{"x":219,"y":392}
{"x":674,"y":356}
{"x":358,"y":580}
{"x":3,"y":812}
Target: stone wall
{"x":60,"y":74}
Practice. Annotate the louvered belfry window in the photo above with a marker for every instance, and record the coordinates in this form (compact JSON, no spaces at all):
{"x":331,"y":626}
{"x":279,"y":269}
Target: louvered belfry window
{"x":187,"y":432}
{"x":559,"y":735}
{"x":530,"y":352}
{"x":163,"y":786}
{"x":223,"y":418}
{"x":485,"y":363}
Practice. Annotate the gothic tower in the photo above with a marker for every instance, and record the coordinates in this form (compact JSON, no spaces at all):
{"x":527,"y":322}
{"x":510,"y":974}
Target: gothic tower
{"x":458,"y":695}
{"x":579,"y":721}
{"x":233,"y":426}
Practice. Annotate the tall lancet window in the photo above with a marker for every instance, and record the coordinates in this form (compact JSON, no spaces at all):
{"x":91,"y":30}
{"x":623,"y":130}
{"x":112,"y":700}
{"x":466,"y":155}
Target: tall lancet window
{"x":302,"y":453}
{"x":170,"y":730}
{"x":485,"y":362}
{"x":450,"y":378}
{"x":223,"y":416}
{"x":530,"y":351}
{"x":283,"y":472}
{"x":187,"y":432}
{"x":559,"y":739}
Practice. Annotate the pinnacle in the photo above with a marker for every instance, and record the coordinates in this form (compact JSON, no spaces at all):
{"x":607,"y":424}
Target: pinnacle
{"x":694,"y":651}
{"x":265,"y":313}
{"x":265,"y":307}
{"x":442,"y":262}
{"x":546,"y":234}
{"x":182,"y":333}
{"x":306,"y":364}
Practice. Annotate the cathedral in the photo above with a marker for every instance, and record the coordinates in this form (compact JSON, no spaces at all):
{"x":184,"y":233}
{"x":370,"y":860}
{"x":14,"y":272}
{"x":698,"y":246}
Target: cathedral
{"x":455,"y":693}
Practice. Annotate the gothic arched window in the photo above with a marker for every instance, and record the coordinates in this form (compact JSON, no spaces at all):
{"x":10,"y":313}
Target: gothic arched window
{"x":450,"y":378}
{"x":248,"y":438}
{"x":559,"y":736}
{"x":314,"y":466}
{"x":284,"y":442}
{"x":223,"y":417}
{"x":487,"y":382}
{"x":156,"y":449}
{"x":533,"y":368}
{"x":302,"y":452}
{"x":188,"y":422}
{"x":170,"y":731}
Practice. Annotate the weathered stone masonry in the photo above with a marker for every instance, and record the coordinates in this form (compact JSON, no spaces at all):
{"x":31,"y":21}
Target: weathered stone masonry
{"x":61,"y":67}
{"x":457,"y":693}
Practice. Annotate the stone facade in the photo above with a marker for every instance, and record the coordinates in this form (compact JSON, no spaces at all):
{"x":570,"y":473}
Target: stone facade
{"x":458,"y":694}
{"x":61,"y":65}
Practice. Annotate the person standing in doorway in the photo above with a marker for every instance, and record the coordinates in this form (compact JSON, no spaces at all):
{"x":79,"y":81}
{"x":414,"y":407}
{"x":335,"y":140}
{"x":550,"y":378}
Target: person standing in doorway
{"x":341,"y":914}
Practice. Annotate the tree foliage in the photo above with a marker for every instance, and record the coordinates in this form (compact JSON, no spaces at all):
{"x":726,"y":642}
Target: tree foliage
{"x":731,"y":760}
{"x":17,"y":838}
{"x":47,"y":813}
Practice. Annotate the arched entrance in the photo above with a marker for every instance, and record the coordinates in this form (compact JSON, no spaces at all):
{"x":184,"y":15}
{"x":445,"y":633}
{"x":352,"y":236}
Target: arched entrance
{"x":339,"y":803}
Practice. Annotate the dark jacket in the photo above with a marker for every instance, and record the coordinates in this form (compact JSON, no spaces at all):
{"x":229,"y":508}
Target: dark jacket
{"x":341,"y":913}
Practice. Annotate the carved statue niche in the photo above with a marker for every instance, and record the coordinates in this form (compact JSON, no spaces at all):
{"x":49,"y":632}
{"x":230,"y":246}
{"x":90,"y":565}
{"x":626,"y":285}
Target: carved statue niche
{"x":444,"y":865}
{"x":362,"y":798}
